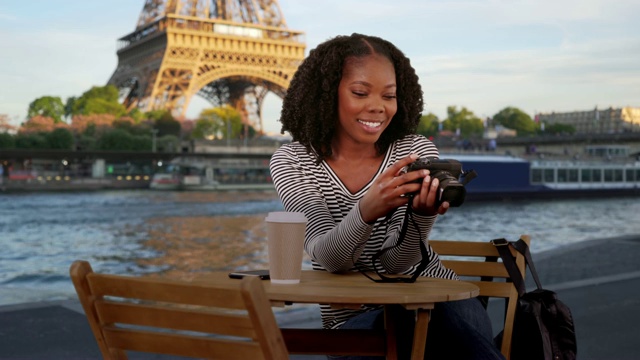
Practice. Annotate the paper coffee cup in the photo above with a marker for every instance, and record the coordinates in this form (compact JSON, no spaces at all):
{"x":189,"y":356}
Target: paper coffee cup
{"x":285,"y":242}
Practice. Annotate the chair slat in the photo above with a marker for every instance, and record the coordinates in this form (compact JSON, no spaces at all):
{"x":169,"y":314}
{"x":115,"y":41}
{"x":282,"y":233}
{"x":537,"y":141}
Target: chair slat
{"x":476,"y":268}
{"x":181,"y":345}
{"x":474,"y":265}
{"x":181,"y":292}
{"x":175,"y":318}
{"x":126,"y":313}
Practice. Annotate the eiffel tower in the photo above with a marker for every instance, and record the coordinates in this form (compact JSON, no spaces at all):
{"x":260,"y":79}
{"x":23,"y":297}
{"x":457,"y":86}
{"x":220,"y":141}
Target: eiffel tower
{"x":226,"y":51}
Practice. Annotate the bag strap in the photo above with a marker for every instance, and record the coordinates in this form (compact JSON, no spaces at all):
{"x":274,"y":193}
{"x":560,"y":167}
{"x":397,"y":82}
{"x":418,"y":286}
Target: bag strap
{"x":502,"y":245}
{"x":523,"y":249}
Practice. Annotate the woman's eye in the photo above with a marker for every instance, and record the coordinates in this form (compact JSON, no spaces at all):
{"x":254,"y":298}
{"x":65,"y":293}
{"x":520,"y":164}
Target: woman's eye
{"x":359,"y":93}
{"x":389,"y":97}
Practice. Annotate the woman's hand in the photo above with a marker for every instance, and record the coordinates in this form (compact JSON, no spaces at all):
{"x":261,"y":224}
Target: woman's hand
{"x":424,"y":203}
{"x":388,"y":192}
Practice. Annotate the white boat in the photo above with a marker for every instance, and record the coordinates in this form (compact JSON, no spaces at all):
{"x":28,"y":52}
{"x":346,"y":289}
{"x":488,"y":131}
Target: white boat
{"x":604,"y":170}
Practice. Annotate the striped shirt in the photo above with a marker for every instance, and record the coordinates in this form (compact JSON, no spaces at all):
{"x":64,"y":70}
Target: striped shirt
{"x":337,"y":238}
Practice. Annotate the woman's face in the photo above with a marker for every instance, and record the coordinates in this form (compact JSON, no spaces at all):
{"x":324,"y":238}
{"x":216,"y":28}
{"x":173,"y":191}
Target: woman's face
{"x":366,"y":99}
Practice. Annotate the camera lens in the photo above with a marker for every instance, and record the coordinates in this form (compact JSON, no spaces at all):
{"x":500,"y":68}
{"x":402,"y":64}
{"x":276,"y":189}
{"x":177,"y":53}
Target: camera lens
{"x":450,"y":189}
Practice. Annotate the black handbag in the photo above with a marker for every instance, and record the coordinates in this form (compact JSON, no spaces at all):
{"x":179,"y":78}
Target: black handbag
{"x":543,"y":326}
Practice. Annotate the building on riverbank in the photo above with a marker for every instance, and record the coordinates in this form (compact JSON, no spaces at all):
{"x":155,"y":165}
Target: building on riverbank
{"x":596,"y":121}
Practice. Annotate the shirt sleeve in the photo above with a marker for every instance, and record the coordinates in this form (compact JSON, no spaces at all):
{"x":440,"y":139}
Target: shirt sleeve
{"x":334,"y":245}
{"x":407,"y":254}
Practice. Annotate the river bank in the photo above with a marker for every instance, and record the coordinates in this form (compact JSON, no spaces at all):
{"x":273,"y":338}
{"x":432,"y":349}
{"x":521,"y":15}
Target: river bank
{"x":598,"y":279}
{"x":182,"y":233}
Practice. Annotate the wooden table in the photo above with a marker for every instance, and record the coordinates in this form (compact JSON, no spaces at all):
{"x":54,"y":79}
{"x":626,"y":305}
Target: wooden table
{"x":351,"y":291}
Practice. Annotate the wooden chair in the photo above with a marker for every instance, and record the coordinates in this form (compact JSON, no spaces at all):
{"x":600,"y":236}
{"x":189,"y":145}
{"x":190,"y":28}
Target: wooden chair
{"x":471,"y":264}
{"x":181,"y":318}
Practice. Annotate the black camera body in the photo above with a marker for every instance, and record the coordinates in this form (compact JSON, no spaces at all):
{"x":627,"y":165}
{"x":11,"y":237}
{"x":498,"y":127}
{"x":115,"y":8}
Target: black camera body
{"x":447,"y":171}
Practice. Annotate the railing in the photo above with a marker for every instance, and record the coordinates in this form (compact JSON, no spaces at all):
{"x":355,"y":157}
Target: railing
{"x":210,"y":26}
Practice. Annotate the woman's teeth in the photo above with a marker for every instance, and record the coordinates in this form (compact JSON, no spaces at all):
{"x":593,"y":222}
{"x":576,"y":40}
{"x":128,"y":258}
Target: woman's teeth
{"x":369,"y":123}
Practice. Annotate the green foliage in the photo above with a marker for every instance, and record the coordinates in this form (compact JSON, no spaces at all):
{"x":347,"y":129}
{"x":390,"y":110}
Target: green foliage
{"x":116,"y":139}
{"x":515,"y":119}
{"x":221,"y":122}
{"x":158,"y":114}
{"x":558,"y":128}
{"x":136,"y":114}
{"x":102,"y":106}
{"x":469,"y":124}
{"x":7,"y":141}
{"x":86,"y":142}
{"x":167,"y":126}
{"x":168,"y":143}
{"x":428,"y":125}
{"x":142,"y":143}
{"x":97,"y":100}
{"x":31,"y":141}
{"x":60,"y":139}
{"x":206,"y":128}
{"x":90,"y":130}
{"x":140,"y":129}
{"x":48,"y":106}
{"x":68,"y":106}
{"x":122,"y":140}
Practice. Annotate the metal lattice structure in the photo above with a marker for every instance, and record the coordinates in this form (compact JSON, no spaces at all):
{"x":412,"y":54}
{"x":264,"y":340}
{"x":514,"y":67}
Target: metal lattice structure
{"x":227,"y":51}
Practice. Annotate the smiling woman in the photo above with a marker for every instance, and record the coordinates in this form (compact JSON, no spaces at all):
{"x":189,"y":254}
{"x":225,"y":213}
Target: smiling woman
{"x":352,"y":109}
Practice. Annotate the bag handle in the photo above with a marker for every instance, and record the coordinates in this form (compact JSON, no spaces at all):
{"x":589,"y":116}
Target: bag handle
{"x":502,"y":245}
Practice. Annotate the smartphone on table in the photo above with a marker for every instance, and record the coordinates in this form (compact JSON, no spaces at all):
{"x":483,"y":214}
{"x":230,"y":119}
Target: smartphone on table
{"x":262,"y":274}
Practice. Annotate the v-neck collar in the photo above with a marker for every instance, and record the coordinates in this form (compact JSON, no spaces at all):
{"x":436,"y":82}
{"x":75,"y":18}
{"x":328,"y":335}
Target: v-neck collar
{"x":366,"y":186}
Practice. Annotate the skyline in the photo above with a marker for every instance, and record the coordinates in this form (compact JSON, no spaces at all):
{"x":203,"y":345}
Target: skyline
{"x":539,"y":56}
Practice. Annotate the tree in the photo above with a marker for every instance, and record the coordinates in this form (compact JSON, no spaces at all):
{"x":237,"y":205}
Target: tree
{"x":26,"y":140}
{"x":69,"y":105}
{"x":168,"y":143}
{"x":464,"y":120}
{"x":47,"y":106}
{"x":166,"y":125}
{"x":158,"y":114}
{"x":221,"y":122}
{"x":558,"y":128}
{"x":5,"y":124}
{"x":7,"y":141}
{"x":97,"y":100}
{"x":136,"y":114}
{"x":60,"y":139}
{"x":116,"y":139}
{"x":38,"y":124}
{"x":92,"y":125}
{"x":515,"y":119}
{"x":428,"y":125}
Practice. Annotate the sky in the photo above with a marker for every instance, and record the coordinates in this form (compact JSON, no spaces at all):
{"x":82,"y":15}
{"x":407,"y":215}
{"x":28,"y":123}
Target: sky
{"x":537,"y":55}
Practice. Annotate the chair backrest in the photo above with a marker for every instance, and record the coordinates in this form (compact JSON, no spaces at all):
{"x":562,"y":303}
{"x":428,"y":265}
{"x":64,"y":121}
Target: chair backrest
{"x":469,"y":260}
{"x":128,"y":313}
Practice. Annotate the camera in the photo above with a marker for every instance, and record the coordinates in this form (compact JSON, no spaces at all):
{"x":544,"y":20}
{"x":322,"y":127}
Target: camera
{"x":448,"y":172}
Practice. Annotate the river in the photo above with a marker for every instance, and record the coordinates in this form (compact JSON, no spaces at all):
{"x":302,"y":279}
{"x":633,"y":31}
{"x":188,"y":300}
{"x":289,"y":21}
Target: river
{"x":178,"y":234}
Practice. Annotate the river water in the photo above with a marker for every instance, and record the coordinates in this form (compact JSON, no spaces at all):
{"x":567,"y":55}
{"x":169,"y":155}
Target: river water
{"x":179,"y":234}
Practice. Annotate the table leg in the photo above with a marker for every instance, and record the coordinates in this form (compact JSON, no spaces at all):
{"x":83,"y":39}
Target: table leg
{"x":420,"y":334}
{"x":390,"y":332}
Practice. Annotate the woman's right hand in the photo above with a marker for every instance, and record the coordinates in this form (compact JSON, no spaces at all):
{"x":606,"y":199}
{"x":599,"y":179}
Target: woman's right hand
{"x":388,"y":190}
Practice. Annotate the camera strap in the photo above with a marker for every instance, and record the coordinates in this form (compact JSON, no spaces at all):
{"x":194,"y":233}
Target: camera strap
{"x":423,"y":251}
{"x":468,"y":176}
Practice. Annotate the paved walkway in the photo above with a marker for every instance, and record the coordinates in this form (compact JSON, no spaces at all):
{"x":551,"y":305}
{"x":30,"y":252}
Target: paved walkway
{"x":599,"y":280}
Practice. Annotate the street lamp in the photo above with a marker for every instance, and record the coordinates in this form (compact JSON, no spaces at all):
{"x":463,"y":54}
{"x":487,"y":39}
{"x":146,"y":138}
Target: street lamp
{"x":153,"y":141}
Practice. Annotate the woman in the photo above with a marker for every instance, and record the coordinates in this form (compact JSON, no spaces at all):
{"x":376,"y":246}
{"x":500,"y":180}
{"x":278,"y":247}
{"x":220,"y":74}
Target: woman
{"x":352,"y":109}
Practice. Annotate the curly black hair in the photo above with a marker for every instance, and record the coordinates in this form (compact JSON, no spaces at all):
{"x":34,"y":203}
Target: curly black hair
{"x":310,"y":106}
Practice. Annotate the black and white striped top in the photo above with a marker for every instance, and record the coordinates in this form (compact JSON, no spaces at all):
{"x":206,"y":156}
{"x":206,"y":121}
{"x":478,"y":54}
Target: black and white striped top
{"x":336,"y":234}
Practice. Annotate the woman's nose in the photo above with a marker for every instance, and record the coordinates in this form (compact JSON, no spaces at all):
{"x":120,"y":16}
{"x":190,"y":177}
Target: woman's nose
{"x":376,"y":105}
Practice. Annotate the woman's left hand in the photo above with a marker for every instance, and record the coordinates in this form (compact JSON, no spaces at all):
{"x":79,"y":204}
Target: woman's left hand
{"x":424,"y":202}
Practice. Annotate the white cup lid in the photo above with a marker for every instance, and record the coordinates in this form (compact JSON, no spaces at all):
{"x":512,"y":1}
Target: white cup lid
{"x":286,"y":216}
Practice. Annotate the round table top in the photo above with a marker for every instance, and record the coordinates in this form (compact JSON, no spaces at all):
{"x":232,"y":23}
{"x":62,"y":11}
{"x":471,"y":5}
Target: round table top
{"x":321,"y":287}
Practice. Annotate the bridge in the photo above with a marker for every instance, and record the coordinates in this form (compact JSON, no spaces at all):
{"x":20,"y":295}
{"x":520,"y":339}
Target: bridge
{"x":561,"y":145}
